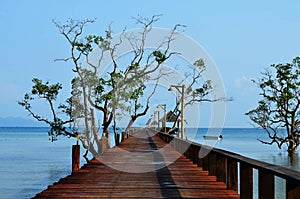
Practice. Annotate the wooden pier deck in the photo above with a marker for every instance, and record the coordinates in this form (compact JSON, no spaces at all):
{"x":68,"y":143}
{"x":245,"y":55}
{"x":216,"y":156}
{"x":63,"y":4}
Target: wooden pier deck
{"x":142,"y":166}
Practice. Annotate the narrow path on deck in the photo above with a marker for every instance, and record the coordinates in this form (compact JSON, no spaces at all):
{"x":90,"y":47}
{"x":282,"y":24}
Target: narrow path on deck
{"x":142,"y":166}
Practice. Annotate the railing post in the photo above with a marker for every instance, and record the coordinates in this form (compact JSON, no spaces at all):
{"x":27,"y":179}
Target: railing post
{"x":205,"y":162}
{"x":195,"y":154}
{"x":176,"y":145}
{"x":266,"y":184}
{"x":180,"y":147}
{"x":232,"y":174}
{"x":212,"y":162}
{"x":75,"y":157}
{"x":186,"y":149}
{"x":221,"y":168}
{"x":128,"y":133}
{"x":103,"y":144}
{"x":117,"y":139}
{"x":199,"y":160}
{"x":123,"y":136}
{"x":246,"y":181}
{"x":169,"y":139}
{"x":186,"y":152}
{"x":292,"y":189}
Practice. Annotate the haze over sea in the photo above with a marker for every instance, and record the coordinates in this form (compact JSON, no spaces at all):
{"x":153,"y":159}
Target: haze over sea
{"x":30,"y":162}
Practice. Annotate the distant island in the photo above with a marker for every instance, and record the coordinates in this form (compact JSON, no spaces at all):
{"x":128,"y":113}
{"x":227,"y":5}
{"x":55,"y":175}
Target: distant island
{"x":19,"y":122}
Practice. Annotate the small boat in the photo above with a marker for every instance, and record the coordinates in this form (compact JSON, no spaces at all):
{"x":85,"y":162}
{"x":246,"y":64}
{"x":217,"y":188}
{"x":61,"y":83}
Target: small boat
{"x":207,"y":137}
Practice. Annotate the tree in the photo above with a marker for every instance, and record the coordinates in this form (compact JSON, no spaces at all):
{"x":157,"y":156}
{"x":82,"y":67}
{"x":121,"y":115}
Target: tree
{"x":195,"y":92}
{"x":278,"y":110}
{"x":91,"y":92}
{"x":49,"y":93}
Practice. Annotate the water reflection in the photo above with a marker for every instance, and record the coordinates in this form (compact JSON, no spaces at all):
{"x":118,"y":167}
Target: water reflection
{"x":284,"y":159}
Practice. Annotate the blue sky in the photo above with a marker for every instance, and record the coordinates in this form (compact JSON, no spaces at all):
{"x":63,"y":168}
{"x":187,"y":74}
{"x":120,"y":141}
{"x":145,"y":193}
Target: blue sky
{"x":241,"y":37}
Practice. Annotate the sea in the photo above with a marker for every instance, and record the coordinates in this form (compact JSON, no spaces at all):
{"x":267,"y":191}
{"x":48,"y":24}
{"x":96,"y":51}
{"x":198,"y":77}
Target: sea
{"x":29,"y":161}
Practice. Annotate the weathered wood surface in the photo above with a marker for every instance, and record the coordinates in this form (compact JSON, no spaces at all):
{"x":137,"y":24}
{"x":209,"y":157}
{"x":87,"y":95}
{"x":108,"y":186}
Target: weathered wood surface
{"x":142,"y":166}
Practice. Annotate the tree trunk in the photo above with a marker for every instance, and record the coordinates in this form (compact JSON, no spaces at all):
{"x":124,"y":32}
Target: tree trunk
{"x":106,"y":122}
{"x":292,"y":142}
{"x":135,"y":116}
{"x":292,"y":146}
{"x":175,"y":122}
{"x":94,"y":130}
{"x":130,"y":123}
{"x":86,"y":156}
{"x":105,"y":133}
{"x":88,"y":146}
{"x":116,"y":132}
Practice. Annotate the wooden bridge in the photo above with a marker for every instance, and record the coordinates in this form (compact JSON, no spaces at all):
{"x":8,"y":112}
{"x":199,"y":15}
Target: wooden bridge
{"x":142,"y":166}
{"x":150,"y":165}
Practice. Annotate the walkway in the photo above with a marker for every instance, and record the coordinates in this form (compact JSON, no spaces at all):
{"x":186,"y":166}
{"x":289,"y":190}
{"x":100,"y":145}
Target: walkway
{"x":142,"y":166}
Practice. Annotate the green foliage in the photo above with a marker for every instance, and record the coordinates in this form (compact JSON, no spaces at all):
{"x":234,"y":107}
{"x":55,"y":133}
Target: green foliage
{"x":49,"y":92}
{"x":261,"y":115}
{"x":42,"y":90}
{"x":86,"y":45}
{"x":159,"y":56}
{"x":200,"y":64}
{"x":138,"y":92}
{"x":46,"y":90}
{"x":134,"y":66}
{"x":279,"y":107}
{"x":199,"y":94}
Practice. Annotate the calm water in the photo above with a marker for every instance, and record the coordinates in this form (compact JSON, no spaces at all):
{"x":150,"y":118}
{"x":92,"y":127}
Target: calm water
{"x":244,"y":142}
{"x":30,"y":162}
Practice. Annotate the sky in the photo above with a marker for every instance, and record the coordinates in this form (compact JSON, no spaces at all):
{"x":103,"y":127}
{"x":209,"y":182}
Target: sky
{"x":242,"y":38}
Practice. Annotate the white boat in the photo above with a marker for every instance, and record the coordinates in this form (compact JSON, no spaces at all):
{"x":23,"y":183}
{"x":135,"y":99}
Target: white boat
{"x":207,"y":137}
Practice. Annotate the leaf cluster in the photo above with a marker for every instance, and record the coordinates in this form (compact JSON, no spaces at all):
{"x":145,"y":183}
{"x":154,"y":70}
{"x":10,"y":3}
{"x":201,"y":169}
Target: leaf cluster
{"x":45,"y":90}
{"x":49,"y":92}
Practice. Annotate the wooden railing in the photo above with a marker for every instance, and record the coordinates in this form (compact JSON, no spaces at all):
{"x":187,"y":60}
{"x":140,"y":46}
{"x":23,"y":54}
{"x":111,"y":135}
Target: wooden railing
{"x":226,"y":165}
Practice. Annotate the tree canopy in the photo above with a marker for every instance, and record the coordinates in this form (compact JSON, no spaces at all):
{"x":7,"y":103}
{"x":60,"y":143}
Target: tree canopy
{"x":278,"y":111}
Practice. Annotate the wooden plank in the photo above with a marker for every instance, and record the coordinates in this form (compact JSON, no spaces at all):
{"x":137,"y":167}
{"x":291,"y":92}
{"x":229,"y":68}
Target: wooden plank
{"x":119,"y":183}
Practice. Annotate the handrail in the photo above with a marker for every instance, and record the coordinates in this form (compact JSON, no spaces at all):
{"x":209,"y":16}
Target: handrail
{"x":224,"y":165}
{"x":256,"y":164}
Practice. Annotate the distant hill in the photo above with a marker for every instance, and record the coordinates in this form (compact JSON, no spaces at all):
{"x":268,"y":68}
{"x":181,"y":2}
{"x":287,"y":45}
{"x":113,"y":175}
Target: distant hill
{"x":19,"y":122}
